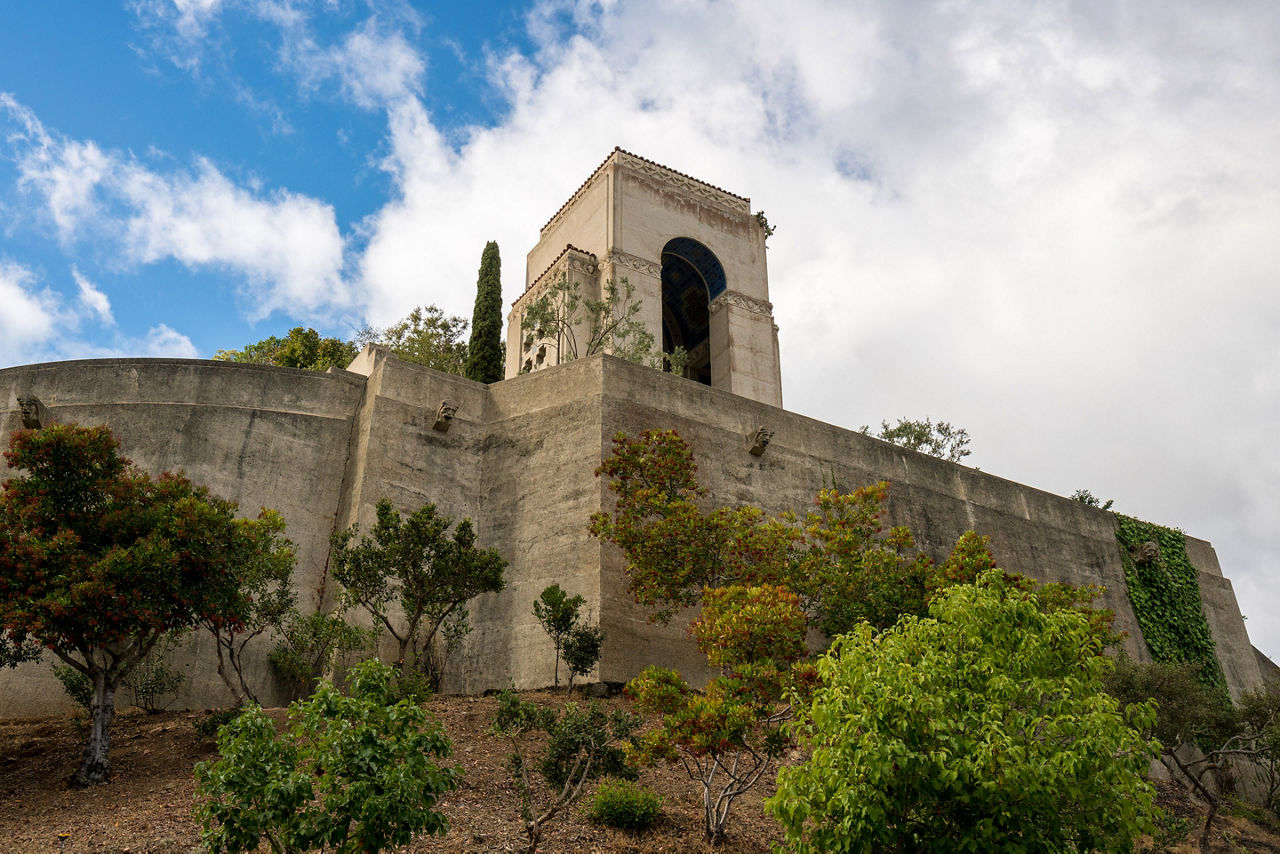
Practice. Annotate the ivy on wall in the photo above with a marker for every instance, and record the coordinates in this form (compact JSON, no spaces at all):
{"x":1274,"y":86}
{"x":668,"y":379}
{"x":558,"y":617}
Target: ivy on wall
{"x":1165,"y":593}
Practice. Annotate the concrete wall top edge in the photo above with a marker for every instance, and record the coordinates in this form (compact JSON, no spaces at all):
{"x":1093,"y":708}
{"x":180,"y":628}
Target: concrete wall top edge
{"x":340,"y":375}
{"x":791,"y":429}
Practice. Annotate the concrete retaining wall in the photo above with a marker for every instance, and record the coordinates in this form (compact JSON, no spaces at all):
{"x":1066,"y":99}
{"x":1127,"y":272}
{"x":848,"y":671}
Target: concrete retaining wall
{"x":519,"y":459}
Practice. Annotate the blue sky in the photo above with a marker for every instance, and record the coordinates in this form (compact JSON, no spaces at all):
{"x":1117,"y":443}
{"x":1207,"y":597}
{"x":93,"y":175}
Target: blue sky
{"x":1052,"y":223}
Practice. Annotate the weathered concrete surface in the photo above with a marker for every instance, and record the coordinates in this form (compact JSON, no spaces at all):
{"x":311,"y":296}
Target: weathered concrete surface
{"x":519,"y":459}
{"x":260,"y":436}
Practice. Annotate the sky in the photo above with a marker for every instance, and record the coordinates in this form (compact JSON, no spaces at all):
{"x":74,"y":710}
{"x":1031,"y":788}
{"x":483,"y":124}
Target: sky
{"x":1056,"y":224}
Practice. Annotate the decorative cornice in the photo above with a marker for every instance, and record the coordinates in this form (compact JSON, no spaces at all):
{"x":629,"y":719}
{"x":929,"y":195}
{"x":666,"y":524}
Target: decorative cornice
{"x":709,"y":192}
{"x":757,"y":306}
{"x":710,"y":196}
{"x":573,"y":252}
{"x":634,"y":262}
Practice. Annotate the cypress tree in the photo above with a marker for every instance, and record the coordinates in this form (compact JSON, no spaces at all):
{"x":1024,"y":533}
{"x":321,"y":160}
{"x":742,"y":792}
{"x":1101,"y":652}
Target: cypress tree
{"x":485,"y":354}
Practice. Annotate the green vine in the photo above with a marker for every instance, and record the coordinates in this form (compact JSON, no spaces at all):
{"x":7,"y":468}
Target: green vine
{"x":1164,"y":590}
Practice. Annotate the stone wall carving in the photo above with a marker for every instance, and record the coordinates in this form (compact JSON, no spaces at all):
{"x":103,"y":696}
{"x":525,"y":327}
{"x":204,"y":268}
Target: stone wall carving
{"x":757,"y":440}
{"x":444,"y":415}
{"x":687,"y":187}
{"x":634,"y":262}
{"x":32,"y":412}
{"x":758,"y":306}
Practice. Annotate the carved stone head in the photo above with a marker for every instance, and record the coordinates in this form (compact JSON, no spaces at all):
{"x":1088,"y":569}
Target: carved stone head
{"x":1146,"y":554}
{"x":32,"y":411}
{"x":758,"y":440}
{"x":444,"y":414}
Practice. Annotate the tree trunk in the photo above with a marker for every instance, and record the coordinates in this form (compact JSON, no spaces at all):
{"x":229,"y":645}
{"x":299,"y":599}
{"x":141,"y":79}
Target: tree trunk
{"x":236,"y":696}
{"x":94,"y":768}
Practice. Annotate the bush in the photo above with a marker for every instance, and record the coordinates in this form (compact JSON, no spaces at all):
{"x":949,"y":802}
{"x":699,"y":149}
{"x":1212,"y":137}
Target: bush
{"x":623,"y":804}
{"x":209,"y":725}
{"x":77,"y":685}
{"x":154,"y":684}
{"x":353,"y":773}
{"x":982,"y":728}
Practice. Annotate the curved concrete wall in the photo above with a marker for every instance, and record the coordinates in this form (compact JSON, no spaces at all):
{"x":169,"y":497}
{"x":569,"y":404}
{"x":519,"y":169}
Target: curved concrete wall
{"x":260,"y":436}
{"x":519,"y":459}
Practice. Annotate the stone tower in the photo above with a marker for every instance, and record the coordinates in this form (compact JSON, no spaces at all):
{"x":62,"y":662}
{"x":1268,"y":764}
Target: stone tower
{"x":694,"y":254}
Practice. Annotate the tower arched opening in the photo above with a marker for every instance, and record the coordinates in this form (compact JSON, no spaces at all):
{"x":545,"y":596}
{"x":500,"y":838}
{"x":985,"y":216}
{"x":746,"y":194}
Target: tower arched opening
{"x":692,"y":276}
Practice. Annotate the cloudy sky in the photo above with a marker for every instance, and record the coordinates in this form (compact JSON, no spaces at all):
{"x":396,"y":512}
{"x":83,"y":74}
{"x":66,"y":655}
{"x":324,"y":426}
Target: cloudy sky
{"x":1054,"y":223}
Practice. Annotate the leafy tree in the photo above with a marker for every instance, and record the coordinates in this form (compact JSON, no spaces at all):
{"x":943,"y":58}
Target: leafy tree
{"x":728,"y":737}
{"x":939,"y":440}
{"x":427,"y":336}
{"x":14,"y":652}
{"x":581,"y":651}
{"x":98,"y":561}
{"x":486,"y":356}
{"x":610,"y":324}
{"x":674,"y":549}
{"x":300,"y":348}
{"x":354,"y":774}
{"x":581,"y":745}
{"x":839,"y":559}
{"x":77,"y":687}
{"x":557,"y":611}
{"x":983,"y":727}
{"x":309,"y":643}
{"x":1193,"y":712}
{"x":1086,"y":497}
{"x":851,"y":570}
{"x":267,"y":605}
{"x":414,"y":579}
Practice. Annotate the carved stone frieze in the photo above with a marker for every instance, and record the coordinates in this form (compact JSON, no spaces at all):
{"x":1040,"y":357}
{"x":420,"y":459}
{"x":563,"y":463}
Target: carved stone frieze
{"x":741,"y":300}
{"x":585,"y":264}
{"x":634,"y":262}
{"x":687,"y":187}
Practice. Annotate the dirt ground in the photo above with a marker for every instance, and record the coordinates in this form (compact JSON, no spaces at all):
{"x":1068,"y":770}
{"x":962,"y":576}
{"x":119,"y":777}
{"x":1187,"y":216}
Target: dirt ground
{"x":146,"y":807}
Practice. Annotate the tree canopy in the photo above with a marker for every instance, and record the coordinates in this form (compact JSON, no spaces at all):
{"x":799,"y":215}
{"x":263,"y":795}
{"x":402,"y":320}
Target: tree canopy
{"x":983,"y":727}
{"x":426,"y":336}
{"x":938,"y":440}
{"x":300,"y":348}
{"x":99,"y":561}
{"x":414,"y":578}
{"x":486,"y":357}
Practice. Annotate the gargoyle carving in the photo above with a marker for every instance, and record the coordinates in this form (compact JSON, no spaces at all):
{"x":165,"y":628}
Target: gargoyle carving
{"x":758,"y":440}
{"x":32,"y":411}
{"x":1145,"y":554}
{"x":444,"y":415}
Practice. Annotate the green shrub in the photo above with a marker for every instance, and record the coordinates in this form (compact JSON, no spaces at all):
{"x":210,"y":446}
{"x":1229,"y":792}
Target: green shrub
{"x":154,"y":685}
{"x":350,"y":774}
{"x":209,"y":725}
{"x":625,"y":805}
{"x":79,"y":687}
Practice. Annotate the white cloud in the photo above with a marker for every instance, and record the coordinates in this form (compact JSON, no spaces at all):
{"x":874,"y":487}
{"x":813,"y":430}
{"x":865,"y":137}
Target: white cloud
{"x":92,"y":299}
{"x":28,"y":316}
{"x":37,"y":324}
{"x":285,"y":247}
{"x":163,"y":341}
{"x":372,"y":66}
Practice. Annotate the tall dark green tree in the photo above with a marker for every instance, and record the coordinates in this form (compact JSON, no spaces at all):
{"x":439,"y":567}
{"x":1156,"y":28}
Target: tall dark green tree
{"x":485,"y":355}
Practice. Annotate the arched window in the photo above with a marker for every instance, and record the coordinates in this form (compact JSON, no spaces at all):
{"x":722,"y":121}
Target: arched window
{"x":692,"y":276}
